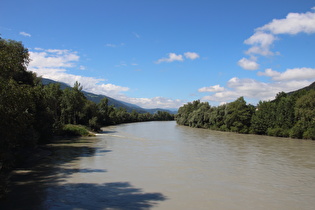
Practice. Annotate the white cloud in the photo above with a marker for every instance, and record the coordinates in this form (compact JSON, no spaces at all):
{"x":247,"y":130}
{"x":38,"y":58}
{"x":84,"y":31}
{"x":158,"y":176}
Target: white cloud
{"x":174,"y":57}
{"x":215,"y":88}
{"x":54,"y":64}
{"x":89,"y":84}
{"x":171,"y":58}
{"x":260,"y":42}
{"x":248,"y":64}
{"x":295,"y":74}
{"x":294,"y":23}
{"x":53,"y":58}
{"x":254,"y":90}
{"x":25,"y":34}
{"x":269,"y":73}
{"x":191,"y":55}
{"x":263,"y":38}
{"x":155,"y":102}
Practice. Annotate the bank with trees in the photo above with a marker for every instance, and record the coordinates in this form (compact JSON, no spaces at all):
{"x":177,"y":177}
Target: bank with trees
{"x":32,"y":113}
{"x":288,"y":115}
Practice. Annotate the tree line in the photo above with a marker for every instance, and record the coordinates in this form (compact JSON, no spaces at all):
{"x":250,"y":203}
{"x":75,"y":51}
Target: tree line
{"x":31,"y":113}
{"x":289,"y":115}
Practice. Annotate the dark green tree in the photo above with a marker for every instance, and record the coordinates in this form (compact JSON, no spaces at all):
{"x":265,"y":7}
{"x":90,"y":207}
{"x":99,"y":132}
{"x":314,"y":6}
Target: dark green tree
{"x":53,"y":97}
{"x":14,"y":59}
{"x":305,"y":117}
{"x":72,"y":104}
{"x":263,"y":117}
{"x":238,"y":116}
{"x":104,"y":112}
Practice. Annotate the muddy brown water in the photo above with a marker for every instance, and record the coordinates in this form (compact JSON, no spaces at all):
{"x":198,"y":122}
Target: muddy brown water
{"x":160,"y":165}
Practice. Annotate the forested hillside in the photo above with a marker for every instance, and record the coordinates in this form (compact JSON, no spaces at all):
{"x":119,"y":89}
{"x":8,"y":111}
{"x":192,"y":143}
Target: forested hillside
{"x":289,"y":115}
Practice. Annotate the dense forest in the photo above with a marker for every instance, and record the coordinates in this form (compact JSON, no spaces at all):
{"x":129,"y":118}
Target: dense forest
{"x":288,"y":115}
{"x":31,"y":113}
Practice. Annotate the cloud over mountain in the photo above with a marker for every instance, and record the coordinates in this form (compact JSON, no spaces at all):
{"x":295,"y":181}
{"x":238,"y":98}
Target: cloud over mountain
{"x":55,"y":64}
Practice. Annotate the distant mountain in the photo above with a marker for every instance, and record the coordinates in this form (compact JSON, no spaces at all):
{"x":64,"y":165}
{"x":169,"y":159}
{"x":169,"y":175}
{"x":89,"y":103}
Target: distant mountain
{"x":111,"y":101}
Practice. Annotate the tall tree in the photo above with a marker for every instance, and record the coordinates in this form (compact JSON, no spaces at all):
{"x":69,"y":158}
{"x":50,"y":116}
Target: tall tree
{"x":53,"y":97}
{"x":104,"y":112}
{"x":305,"y":117}
{"x":14,"y":59}
{"x":238,"y":116}
{"x":72,"y":104}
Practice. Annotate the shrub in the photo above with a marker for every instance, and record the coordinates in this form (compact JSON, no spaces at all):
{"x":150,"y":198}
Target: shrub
{"x":75,"y":130}
{"x":309,"y":134}
{"x":297,"y":131}
{"x":279,"y":132}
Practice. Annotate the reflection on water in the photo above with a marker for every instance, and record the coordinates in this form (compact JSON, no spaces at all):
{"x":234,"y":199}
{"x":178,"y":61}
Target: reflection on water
{"x":164,"y":166}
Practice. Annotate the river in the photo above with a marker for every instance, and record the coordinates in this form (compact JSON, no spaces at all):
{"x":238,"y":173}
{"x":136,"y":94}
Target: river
{"x":160,"y":165}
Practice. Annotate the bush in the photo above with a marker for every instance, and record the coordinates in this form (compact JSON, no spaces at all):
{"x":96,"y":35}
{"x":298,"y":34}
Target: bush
{"x":75,"y":130}
{"x":309,"y":134}
{"x":278,"y":132}
{"x":297,"y":131}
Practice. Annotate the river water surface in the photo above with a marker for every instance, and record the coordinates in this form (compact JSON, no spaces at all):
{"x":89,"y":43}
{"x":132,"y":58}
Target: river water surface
{"x":161,"y":165}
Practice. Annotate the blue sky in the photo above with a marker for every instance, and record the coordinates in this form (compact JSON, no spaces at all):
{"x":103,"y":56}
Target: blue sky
{"x":158,"y":53}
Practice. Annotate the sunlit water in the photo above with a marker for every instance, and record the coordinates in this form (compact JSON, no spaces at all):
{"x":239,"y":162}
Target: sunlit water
{"x":161,"y":165}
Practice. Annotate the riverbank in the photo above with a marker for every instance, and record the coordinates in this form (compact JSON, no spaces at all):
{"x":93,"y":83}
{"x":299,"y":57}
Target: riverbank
{"x":30,"y":156}
{"x":287,"y":116}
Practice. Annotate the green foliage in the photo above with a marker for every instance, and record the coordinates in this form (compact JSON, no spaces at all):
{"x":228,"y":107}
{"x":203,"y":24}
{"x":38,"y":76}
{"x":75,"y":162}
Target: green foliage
{"x":93,"y":124}
{"x":74,"y":130}
{"x":297,"y":130}
{"x":14,"y":59}
{"x":17,"y":104}
{"x":238,"y":116}
{"x":53,"y":97}
{"x":305,"y":116}
{"x":284,"y":111}
{"x":287,"y":116}
{"x":72,"y":104}
{"x":279,"y":132}
{"x":233,"y":117}
{"x":309,"y":133}
{"x":263,"y":118}
{"x":104,"y":111}
{"x":163,"y":116}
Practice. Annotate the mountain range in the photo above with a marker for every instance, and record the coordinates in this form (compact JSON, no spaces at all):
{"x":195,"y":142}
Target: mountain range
{"x":111,"y":101}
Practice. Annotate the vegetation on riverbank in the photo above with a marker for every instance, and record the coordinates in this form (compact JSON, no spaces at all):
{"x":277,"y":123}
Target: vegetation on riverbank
{"x":75,"y":130}
{"x":32,"y":113}
{"x":289,"y":115}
